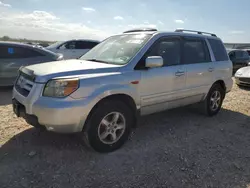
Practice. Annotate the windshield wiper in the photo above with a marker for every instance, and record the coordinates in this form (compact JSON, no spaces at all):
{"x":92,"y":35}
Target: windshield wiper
{"x":97,"y":60}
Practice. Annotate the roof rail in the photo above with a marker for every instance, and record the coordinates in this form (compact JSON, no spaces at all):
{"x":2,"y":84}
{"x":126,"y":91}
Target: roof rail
{"x":193,"y":31}
{"x":140,"y":30}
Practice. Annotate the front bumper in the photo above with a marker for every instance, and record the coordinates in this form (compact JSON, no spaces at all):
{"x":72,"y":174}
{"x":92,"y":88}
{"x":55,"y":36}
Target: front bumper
{"x":242,"y":81}
{"x":64,"y":115}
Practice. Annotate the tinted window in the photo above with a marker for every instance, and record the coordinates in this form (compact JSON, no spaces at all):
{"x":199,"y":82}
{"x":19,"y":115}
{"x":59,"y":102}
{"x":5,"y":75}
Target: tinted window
{"x":85,"y":44}
{"x":219,"y":51}
{"x":68,"y":45}
{"x":168,"y":49}
{"x":17,"y":52}
{"x":91,"y":44}
{"x":241,"y":54}
{"x":195,"y":51}
{"x":245,"y":54}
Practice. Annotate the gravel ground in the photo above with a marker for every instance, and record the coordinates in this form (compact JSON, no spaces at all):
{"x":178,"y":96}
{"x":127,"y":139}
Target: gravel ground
{"x":176,"y":148}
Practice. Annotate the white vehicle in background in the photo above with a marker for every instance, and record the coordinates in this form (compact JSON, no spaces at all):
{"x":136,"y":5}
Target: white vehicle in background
{"x":73,"y":49}
{"x":242,"y":77}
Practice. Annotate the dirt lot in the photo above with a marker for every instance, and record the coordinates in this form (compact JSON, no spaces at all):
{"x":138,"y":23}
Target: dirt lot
{"x":177,"y":148}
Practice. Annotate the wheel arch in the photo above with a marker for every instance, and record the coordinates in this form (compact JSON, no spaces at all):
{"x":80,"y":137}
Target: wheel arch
{"x":125,"y":98}
{"x":222,"y":84}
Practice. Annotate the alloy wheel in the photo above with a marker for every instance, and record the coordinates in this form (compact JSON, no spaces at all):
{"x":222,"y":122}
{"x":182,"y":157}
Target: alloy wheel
{"x":111,"y":128}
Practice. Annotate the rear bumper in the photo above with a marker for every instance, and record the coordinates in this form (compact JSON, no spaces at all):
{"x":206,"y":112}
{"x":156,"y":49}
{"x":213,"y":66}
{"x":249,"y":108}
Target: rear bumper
{"x":229,"y":84}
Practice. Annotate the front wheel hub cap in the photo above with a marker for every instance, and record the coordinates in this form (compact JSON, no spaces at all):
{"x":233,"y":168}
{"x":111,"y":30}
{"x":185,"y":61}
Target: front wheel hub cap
{"x":111,"y":128}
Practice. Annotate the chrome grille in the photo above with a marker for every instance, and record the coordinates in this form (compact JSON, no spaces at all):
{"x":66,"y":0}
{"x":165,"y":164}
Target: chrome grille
{"x":24,"y":85}
{"x":244,"y":79}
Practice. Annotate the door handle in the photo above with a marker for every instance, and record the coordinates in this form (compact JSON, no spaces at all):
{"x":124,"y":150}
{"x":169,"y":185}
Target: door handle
{"x":179,"y":73}
{"x":211,"y":69}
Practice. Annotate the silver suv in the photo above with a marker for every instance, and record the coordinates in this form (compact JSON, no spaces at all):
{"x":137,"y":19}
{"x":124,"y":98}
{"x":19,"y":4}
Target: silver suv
{"x":135,"y":73}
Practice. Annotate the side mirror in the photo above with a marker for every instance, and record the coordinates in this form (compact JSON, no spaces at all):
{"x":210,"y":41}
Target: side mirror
{"x":154,"y":61}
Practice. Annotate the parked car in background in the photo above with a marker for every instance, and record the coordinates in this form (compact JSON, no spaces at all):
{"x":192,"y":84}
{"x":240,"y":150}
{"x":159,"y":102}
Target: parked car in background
{"x":14,"y":55}
{"x":239,"y":58}
{"x":138,"y":72}
{"x":246,"y":48}
{"x":73,"y":49}
{"x":242,"y":76}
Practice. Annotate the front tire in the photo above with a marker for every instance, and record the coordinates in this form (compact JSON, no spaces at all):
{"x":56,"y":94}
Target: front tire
{"x":214,"y":100}
{"x":109,"y":126}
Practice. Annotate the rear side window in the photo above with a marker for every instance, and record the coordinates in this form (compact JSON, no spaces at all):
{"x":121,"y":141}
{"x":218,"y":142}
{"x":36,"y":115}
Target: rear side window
{"x":219,"y":50}
{"x":13,"y":52}
{"x":195,"y":51}
{"x":85,"y":44}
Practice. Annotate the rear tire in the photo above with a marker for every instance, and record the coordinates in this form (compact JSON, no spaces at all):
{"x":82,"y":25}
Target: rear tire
{"x":109,"y":126}
{"x":213,"y":102}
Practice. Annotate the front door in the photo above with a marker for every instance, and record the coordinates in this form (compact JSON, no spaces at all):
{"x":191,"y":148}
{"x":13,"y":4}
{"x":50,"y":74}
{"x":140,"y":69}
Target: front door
{"x":162,"y":88}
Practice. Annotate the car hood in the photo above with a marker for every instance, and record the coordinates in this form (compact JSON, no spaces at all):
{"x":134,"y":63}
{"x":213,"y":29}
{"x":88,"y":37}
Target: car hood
{"x":67,"y":68}
{"x":245,"y":71}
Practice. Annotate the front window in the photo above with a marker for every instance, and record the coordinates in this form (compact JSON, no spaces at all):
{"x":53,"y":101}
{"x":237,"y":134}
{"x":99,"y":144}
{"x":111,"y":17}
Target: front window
{"x":118,"y":50}
{"x":56,"y":44}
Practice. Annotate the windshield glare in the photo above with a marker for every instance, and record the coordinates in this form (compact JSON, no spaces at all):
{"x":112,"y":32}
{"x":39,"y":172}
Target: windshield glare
{"x":117,"y":49}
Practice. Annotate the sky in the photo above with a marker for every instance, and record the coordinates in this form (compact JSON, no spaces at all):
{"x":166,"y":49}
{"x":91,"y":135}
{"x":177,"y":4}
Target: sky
{"x":98,"y":19}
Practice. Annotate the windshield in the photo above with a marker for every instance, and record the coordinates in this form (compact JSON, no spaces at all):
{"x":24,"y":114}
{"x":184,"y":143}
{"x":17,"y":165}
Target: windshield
{"x":117,"y":49}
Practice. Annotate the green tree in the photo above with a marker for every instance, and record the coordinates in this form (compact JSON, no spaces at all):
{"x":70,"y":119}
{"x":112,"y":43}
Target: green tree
{"x":5,"y":38}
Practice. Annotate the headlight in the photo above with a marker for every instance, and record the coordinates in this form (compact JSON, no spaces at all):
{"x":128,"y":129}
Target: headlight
{"x":238,"y":73}
{"x":249,"y":64}
{"x":60,"y":87}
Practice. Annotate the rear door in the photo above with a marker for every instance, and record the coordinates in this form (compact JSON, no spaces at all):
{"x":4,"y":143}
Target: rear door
{"x":199,"y":67}
{"x":162,"y":88}
{"x":13,"y":57}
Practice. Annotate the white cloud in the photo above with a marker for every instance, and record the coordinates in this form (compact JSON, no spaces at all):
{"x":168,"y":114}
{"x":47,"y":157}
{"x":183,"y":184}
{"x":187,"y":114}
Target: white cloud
{"x":88,"y":9}
{"x":4,"y":4}
{"x":118,"y":18}
{"x":38,"y":15}
{"x":236,"y":32}
{"x":160,"y":22}
{"x":179,"y":21}
{"x":44,"y":26}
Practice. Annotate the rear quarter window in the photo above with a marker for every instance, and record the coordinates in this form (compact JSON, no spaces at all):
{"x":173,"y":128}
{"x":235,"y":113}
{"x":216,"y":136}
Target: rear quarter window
{"x":218,"y":49}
